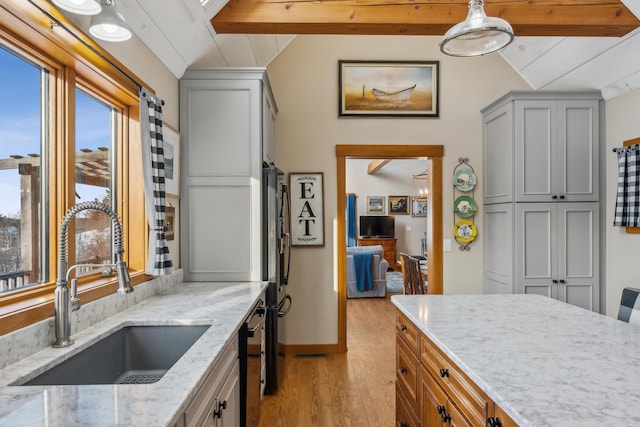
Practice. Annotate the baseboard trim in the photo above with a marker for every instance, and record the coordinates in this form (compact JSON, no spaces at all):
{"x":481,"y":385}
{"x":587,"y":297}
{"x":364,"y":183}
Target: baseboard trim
{"x":310,"y":348}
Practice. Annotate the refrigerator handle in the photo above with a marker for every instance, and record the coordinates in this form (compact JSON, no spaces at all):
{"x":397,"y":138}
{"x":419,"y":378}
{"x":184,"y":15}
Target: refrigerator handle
{"x":281,"y":312}
{"x":285,"y":239}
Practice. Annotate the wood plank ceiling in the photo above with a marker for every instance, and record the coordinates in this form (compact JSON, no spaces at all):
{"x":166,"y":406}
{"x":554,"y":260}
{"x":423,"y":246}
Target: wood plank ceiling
{"x":604,"y":18}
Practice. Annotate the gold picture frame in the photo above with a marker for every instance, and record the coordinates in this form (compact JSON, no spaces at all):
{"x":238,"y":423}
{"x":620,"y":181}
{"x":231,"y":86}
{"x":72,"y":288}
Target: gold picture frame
{"x":389,"y":88}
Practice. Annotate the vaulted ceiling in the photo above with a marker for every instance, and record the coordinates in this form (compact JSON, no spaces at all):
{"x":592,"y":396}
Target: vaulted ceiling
{"x":559,"y":45}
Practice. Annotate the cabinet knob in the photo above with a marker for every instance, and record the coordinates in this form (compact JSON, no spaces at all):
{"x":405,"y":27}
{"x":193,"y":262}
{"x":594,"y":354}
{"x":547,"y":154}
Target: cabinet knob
{"x":494,"y":422}
{"x":554,"y":281}
{"x":403,"y":370}
{"x":441,"y":409}
{"x":562,"y":281}
{"x":217,"y":413}
{"x":403,"y":424}
{"x":446,"y":418}
{"x":403,"y":328}
{"x":444,"y":372}
{"x":554,"y":197}
{"x":562,"y":197}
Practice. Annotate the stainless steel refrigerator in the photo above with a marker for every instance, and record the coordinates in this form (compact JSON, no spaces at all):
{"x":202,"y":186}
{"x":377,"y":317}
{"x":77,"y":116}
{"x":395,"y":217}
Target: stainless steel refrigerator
{"x":276,"y":259}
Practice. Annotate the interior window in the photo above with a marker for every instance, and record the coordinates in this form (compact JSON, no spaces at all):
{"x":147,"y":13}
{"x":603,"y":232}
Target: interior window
{"x":94,"y":179}
{"x":23,"y":190}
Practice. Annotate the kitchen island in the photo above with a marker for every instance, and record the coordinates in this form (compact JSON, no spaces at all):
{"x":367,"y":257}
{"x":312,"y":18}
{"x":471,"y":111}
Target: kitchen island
{"x":539,"y":361}
{"x":221,"y":305}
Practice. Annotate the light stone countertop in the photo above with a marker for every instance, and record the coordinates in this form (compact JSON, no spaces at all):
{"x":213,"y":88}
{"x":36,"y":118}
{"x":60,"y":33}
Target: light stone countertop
{"x":546,"y":363}
{"x":222,"y":305}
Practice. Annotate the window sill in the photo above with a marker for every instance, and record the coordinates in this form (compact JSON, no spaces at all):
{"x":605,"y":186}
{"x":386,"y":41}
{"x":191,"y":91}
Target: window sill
{"x":38,"y":305}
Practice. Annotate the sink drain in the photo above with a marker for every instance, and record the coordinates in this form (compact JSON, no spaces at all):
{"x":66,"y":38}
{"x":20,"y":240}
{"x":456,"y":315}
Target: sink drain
{"x":141,"y":379}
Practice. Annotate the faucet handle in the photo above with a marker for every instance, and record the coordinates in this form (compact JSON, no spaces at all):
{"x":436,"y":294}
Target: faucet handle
{"x":74,"y":301}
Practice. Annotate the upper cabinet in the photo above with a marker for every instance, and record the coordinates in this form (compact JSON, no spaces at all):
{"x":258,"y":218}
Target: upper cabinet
{"x":542,"y":147}
{"x":227,"y":120}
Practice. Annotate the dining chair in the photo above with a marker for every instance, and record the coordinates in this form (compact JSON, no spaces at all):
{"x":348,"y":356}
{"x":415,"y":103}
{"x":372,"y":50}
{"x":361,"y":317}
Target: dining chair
{"x":416,"y":276}
{"x":404,"y":268}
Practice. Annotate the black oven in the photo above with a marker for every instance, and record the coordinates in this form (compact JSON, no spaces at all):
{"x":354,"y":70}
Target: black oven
{"x":251,"y":354}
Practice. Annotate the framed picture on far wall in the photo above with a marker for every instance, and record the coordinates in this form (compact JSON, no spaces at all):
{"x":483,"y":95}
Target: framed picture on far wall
{"x":376,"y":205}
{"x":418,"y":206}
{"x":399,"y":205}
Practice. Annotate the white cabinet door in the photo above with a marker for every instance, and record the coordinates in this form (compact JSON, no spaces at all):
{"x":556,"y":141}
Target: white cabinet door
{"x":557,"y":252}
{"x":536,"y":161}
{"x":556,"y":150}
{"x":578,"y":140}
{"x":221,"y":125}
{"x":578,"y":255}
{"x":536,"y":240}
{"x":498,"y":249}
{"x":229,"y":399}
{"x":498,"y":155}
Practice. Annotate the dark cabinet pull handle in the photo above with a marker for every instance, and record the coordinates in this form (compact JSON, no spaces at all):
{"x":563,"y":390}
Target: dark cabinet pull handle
{"x":494,"y":422}
{"x":562,"y":281}
{"x":446,"y":418}
{"x":403,"y":424}
{"x":444,"y":372}
{"x":554,"y":197}
{"x":554,"y":281}
{"x":562,"y":197}
{"x":403,"y":370}
{"x":440,"y":409}
{"x":403,"y":328}
{"x":217,"y":413}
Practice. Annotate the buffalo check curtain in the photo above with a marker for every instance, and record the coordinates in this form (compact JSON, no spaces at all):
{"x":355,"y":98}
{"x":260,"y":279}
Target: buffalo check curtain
{"x":159,"y":260}
{"x":628,"y":197}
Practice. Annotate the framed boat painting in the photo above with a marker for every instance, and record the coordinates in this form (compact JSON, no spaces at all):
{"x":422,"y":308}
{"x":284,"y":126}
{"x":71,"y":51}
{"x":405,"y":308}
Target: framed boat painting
{"x":388,"y":88}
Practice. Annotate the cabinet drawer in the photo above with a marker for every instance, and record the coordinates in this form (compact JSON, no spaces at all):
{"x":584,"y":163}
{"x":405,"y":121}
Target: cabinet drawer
{"x":405,"y":415}
{"x":408,"y":331}
{"x":407,"y":368}
{"x":472,"y":401}
{"x":504,"y":419}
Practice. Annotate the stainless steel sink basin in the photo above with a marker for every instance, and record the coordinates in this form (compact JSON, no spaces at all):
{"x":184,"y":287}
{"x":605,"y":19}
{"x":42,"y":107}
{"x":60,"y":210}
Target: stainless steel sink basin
{"x":130,"y":355}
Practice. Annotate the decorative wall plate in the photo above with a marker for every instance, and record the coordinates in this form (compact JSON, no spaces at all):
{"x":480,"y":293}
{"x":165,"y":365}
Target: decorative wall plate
{"x":464,"y":180}
{"x":465,"y":231}
{"x":465,"y":206}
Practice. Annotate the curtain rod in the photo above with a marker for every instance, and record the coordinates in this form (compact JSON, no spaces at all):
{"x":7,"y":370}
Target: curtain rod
{"x":57,"y":22}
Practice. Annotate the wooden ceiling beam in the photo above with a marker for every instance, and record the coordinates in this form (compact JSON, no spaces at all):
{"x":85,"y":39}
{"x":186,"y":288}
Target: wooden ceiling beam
{"x":602,"y":18}
{"x":376,"y":165}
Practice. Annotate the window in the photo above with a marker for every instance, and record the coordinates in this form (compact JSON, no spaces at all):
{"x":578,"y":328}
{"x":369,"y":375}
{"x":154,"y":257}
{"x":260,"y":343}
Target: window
{"x":23,"y":186}
{"x":69,"y":133}
{"x":93,"y":179}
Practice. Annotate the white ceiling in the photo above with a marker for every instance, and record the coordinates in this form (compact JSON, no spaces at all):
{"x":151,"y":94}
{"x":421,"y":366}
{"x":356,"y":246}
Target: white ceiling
{"x":180,"y":34}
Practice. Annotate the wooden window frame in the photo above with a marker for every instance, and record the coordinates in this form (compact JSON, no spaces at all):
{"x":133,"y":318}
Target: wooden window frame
{"x":75,"y":61}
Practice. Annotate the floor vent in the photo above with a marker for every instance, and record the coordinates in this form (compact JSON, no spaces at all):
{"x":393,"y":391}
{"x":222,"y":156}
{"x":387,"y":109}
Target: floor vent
{"x":311,"y":355}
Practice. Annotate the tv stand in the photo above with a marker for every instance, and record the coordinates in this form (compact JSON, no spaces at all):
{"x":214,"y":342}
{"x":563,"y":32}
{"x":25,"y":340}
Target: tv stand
{"x":388,"y":245}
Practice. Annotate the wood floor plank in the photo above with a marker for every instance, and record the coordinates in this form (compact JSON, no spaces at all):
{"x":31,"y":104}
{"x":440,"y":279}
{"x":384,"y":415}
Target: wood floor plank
{"x":354,"y":389}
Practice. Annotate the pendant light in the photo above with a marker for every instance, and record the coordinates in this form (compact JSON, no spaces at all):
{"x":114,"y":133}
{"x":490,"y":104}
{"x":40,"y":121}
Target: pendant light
{"x":109,"y":24}
{"x":420,"y":185}
{"x":478,"y":34}
{"x":79,"y":7}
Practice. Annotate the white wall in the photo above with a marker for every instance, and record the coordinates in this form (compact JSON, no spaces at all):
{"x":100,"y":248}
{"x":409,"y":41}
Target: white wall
{"x":393,"y":179}
{"x":621,"y":249}
{"x":304,"y":78}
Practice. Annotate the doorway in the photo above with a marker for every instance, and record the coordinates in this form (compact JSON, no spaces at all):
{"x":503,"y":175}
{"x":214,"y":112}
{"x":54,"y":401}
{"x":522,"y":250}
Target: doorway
{"x":434,"y":214}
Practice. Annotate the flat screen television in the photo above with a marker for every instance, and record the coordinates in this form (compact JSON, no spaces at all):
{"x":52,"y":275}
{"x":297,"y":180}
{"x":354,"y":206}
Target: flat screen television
{"x":377,"y":226}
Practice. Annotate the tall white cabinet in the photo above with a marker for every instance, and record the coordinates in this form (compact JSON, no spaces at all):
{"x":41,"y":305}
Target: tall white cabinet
{"x":227,"y":124}
{"x":541,"y":198}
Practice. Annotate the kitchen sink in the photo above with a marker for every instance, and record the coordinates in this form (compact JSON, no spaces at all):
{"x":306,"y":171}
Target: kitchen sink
{"x":131,"y":355}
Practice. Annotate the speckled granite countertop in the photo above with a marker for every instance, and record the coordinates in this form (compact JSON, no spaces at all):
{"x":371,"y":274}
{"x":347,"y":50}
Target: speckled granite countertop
{"x":544,"y":362}
{"x":222,"y":305}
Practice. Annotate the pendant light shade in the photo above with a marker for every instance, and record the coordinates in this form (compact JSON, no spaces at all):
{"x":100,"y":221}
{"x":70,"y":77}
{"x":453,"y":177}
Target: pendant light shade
{"x":478,"y":34}
{"x":109,"y":24}
{"x":80,"y":7}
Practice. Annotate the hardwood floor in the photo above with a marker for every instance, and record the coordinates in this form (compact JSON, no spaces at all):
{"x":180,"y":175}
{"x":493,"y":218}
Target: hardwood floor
{"x":356,"y":389}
